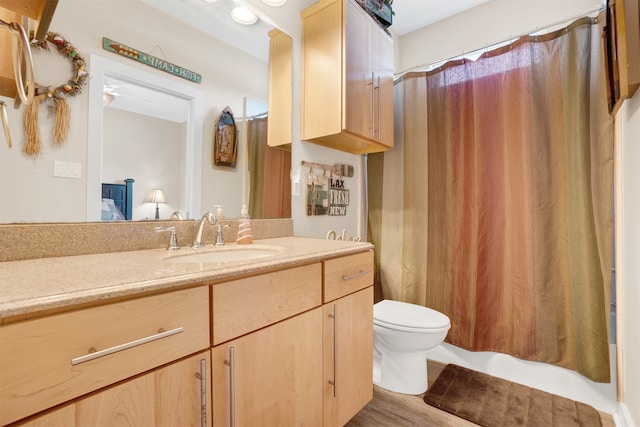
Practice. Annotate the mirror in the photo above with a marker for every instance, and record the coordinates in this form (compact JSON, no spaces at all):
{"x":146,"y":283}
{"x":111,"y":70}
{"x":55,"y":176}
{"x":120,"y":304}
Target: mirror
{"x":29,"y":191}
{"x":148,"y":128}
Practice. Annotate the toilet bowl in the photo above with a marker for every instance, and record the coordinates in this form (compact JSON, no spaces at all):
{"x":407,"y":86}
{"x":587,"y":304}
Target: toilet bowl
{"x":402,"y":335}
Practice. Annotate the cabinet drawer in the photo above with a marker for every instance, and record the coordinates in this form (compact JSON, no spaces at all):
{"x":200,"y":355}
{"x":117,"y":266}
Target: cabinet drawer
{"x":47,"y":361}
{"x":245,"y":305}
{"x":348,"y":274}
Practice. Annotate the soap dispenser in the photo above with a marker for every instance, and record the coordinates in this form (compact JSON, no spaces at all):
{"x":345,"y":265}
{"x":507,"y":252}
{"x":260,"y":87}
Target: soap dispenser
{"x":219,"y":212}
{"x":244,"y":227}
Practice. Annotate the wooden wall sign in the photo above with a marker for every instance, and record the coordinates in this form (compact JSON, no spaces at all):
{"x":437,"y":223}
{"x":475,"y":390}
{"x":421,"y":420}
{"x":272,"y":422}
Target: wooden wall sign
{"x":338,"y":197}
{"x":225,"y":144}
{"x":152,"y":61}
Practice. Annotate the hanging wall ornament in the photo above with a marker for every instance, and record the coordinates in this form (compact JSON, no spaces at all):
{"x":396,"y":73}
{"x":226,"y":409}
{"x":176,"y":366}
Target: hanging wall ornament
{"x":55,"y":96}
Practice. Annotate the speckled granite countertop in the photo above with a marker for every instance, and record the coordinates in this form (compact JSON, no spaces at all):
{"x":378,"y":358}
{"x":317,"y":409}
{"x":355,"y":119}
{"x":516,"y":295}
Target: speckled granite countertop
{"x":31,"y":286}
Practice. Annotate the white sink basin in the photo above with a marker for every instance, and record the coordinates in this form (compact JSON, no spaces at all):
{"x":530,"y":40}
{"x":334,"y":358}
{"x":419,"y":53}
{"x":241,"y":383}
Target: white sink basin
{"x":224,"y":254}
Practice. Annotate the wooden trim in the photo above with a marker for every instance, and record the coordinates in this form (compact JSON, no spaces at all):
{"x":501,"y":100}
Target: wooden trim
{"x":622,"y":47}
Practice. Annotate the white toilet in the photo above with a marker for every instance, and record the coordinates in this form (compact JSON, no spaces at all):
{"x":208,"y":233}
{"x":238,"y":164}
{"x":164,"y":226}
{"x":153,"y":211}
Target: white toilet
{"x":402,"y":334}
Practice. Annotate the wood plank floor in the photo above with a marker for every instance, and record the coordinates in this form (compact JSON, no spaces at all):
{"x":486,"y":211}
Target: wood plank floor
{"x":389,"y":409}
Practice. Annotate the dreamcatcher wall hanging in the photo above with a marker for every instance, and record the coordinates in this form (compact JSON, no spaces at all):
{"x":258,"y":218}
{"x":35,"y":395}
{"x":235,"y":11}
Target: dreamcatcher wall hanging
{"x":56,"y":97}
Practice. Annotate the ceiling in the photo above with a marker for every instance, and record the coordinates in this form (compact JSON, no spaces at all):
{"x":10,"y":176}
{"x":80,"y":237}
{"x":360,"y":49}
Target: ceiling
{"x":214,"y":18}
{"x":411,"y":15}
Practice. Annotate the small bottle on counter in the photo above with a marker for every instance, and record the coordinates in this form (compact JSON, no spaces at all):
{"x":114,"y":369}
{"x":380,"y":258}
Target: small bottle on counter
{"x":219,"y":212}
{"x":244,"y":227}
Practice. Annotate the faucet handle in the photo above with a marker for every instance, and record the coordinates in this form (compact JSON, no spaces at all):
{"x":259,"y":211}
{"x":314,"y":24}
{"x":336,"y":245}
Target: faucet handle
{"x":173,"y":240}
{"x":220,"y":238}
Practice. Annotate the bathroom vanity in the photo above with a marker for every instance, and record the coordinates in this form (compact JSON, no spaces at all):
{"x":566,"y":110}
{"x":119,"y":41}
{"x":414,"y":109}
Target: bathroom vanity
{"x":281,"y":339}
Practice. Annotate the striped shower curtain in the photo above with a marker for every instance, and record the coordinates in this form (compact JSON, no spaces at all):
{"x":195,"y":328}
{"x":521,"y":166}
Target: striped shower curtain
{"x":495,"y":206}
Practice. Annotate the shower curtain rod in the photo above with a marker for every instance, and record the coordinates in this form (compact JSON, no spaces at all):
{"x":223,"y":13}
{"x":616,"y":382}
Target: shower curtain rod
{"x":255,"y":116}
{"x":564,"y":22}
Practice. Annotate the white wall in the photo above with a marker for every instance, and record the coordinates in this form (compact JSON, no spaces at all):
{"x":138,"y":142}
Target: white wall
{"x":485,"y":25}
{"x":150,"y":150}
{"x":28,"y":191}
{"x":629,"y":254}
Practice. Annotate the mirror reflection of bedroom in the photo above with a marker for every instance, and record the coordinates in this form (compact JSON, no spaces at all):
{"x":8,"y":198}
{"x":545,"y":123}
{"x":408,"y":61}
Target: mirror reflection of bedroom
{"x":143,"y":142}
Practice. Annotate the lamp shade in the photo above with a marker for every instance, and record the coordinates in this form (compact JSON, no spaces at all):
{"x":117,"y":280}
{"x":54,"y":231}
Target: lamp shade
{"x":157,"y":196}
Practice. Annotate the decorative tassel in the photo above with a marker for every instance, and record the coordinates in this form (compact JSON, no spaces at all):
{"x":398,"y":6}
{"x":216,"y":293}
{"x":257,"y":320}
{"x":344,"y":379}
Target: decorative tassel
{"x":33,"y":144}
{"x":61,"y":129}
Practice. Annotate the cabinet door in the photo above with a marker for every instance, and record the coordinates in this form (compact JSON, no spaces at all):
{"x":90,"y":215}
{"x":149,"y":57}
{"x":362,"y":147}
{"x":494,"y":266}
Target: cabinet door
{"x":272,"y":377}
{"x":171,"y":396}
{"x":359,"y":78}
{"x":382,"y":65}
{"x":61,"y":416}
{"x":347,"y":356}
{"x":280,"y":88}
{"x":95,"y":347}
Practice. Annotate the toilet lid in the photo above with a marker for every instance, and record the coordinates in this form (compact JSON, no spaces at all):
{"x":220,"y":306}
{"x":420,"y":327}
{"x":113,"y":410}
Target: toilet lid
{"x":401,"y":314}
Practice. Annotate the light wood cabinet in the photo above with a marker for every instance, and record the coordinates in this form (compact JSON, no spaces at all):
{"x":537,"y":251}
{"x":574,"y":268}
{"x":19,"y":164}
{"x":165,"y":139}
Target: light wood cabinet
{"x":50,"y":360}
{"x":271,"y":377}
{"x":40,"y":12}
{"x":315,"y":367}
{"x":291,"y":347}
{"x":280,"y":89}
{"x":174,"y":395}
{"x":347,"y":356}
{"x":347,"y":337}
{"x":267,"y":354}
{"x":347,"y":80}
{"x":245,"y":305}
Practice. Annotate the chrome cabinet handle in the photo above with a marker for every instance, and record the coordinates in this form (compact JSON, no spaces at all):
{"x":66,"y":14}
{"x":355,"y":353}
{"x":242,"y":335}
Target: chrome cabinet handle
{"x":379,"y":115}
{"x":373,"y":110}
{"x":107,"y":351}
{"x":203,"y":393}
{"x":335,"y":348}
{"x":232,"y":387}
{"x":355,"y":275}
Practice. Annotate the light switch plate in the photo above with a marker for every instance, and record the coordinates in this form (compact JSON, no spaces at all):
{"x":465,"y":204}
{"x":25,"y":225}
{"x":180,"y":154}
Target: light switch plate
{"x":67,"y":169}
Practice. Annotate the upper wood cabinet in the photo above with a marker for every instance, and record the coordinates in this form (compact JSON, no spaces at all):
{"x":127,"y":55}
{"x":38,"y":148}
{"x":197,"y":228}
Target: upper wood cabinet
{"x":280,"y":89}
{"x":40,"y":13}
{"x":347,"y":78}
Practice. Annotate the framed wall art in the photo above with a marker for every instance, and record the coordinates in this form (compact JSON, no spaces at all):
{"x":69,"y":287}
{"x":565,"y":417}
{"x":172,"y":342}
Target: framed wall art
{"x":225,"y":141}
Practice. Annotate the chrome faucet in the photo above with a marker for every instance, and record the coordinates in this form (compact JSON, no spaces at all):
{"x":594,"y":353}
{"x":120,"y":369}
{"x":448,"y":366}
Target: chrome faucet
{"x":197,"y":242}
{"x":173,"y":240}
{"x":219,"y":238}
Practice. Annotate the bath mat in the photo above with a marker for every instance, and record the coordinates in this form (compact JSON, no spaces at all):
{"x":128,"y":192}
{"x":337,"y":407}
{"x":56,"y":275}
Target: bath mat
{"x":494,"y":402}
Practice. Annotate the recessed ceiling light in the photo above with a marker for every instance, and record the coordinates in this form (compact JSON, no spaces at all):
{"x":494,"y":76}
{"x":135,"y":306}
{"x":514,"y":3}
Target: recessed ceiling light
{"x":244,"y":16}
{"x":274,"y":2}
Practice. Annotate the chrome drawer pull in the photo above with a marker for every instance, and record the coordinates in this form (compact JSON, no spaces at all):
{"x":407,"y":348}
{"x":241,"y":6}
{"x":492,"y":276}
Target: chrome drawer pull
{"x":125,"y":346}
{"x":334,"y":316}
{"x":203,"y":393}
{"x":232,"y":386}
{"x":353,"y":276}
